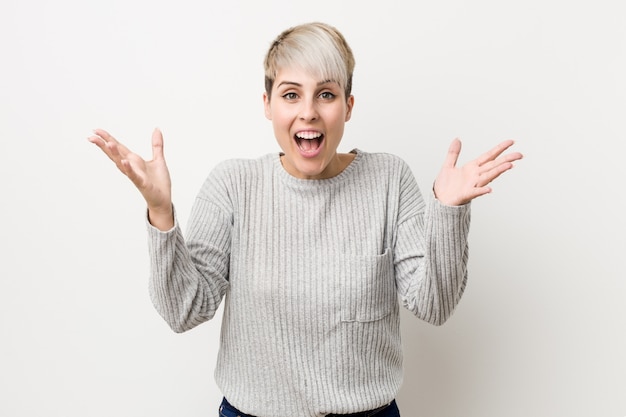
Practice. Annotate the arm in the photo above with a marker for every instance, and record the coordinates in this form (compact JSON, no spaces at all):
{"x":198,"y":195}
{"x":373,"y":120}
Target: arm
{"x":151,"y":178}
{"x":456,"y":186}
{"x":187,"y":282}
{"x":188,"y":279}
{"x":431,"y":255}
{"x":431,"y":248}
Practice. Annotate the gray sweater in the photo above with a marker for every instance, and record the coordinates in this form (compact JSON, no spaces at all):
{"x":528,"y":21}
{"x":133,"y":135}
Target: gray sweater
{"x":312,"y":272}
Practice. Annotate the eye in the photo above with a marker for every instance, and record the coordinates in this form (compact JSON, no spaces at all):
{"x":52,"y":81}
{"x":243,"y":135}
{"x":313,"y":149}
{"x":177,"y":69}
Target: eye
{"x":290,"y":96}
{"x":327,"y":95}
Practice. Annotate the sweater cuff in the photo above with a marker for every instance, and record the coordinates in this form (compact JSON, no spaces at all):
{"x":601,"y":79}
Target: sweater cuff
{"x":152,"y":229}
{"x":443,"y":208}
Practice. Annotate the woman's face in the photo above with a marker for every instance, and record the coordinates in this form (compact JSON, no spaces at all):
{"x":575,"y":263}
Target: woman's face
{"x":308,"y":116}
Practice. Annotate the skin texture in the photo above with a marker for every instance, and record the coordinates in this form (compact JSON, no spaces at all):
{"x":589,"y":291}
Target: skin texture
{"x":301,"y":103}
{"x":151,"y":178}
{"x":456,"y":186}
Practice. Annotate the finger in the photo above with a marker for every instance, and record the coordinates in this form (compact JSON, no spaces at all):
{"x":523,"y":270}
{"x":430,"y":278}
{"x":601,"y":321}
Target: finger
{"x":453,"y":154}
{"x":106,"y":136}
{"x":114,"y":150}
{"x":157,"y":145}
{"x":494,"y":152}
{"x":495,"y":172}
{"x":128,"y":170}
{"x":504,"y":159}
{"x":515,"y":156}
{"x":97,"y":140}
{"x":478,"y":191}
{"x":475,"y":192}
{"x":102,"y":144}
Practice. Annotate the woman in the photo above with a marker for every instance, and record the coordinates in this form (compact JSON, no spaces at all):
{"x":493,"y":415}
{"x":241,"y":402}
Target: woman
{"x":311,"y":249}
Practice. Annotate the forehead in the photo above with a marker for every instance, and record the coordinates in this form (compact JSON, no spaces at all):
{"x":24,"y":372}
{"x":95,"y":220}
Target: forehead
{"x":300,"y":76}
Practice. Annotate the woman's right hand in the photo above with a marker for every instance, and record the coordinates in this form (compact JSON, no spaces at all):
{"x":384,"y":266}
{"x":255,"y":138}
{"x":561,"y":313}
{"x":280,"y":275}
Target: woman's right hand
{"x":151,"y":178}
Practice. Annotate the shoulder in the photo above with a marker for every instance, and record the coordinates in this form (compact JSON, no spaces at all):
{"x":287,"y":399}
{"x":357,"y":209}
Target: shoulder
{"x":394,"y":171}
{"x":382,"y":162}
{"x":237,"y":173}
{"x":241,"y":166}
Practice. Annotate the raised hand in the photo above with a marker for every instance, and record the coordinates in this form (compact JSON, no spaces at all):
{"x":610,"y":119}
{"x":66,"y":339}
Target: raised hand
{"x":457,"y":186}
{"x":151,"y":178}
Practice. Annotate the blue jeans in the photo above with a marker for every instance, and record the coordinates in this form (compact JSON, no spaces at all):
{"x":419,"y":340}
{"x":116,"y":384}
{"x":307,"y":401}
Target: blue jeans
{"x":227,"y":410}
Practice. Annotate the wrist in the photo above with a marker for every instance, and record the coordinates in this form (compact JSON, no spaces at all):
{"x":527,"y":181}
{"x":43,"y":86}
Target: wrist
{"x":161,"y":218}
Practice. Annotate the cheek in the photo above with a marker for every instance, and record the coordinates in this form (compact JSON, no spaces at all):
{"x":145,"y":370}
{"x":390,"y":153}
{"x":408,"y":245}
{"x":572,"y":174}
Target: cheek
{"x":338,"y":120}
{"x":281,"y":128}
{"x":281,"y":119}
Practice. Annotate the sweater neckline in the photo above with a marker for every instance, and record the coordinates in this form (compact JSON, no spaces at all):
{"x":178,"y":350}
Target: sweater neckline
{"x":289,"y":179}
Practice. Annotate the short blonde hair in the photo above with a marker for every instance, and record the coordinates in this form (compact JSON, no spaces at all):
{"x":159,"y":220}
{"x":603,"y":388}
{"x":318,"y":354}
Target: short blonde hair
{"x":317,"y":48}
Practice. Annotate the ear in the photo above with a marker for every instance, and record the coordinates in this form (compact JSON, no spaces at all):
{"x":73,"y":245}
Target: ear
{"x":267,"y":105}
{"x":350,"y":105}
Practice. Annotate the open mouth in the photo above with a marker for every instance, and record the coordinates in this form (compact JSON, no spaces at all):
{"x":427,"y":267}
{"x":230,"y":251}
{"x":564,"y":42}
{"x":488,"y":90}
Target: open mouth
{"x":309,"y":141}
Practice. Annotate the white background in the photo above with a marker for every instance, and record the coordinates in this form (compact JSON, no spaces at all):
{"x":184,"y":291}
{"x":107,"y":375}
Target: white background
{"x":541,"y":328}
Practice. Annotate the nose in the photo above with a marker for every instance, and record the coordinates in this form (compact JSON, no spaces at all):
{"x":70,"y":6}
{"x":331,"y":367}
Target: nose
{"x":308,"y":111}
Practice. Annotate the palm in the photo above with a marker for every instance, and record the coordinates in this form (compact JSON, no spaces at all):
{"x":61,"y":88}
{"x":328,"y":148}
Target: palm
{"x":151,"y":178}
{"x":457,"y":186}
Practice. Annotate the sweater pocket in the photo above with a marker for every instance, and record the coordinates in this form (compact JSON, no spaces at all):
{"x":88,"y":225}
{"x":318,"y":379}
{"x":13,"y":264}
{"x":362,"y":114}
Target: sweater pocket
{"x":368,"y":290}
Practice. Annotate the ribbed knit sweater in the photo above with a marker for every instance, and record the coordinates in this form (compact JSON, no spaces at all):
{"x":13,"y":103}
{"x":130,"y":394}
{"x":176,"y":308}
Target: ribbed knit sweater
{"x":312,"y":273}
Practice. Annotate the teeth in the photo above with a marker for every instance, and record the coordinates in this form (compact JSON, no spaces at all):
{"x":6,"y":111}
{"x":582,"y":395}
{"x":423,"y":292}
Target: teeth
{"x":308,"y":135}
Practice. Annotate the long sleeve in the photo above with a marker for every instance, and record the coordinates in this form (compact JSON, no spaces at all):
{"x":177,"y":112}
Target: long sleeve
{"x":188,"y":279}
{"x":431,"y":255}
{"x":309,"y":272}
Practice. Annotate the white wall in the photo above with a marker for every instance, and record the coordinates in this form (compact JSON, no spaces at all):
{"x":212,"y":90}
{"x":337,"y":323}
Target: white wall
{"x":541,"y":329}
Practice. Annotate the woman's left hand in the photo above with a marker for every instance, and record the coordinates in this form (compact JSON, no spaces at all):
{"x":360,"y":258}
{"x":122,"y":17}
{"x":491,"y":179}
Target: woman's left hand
{"x":457,"y":186}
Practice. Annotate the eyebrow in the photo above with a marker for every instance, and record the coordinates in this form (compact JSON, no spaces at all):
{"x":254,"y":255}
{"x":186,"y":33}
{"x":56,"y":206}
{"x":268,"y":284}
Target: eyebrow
{"x":300,"y":85}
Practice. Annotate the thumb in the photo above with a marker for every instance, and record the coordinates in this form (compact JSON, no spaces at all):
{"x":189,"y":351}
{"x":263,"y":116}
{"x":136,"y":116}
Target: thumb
{"x":453,"y":154}
{"x":157,"y":144}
